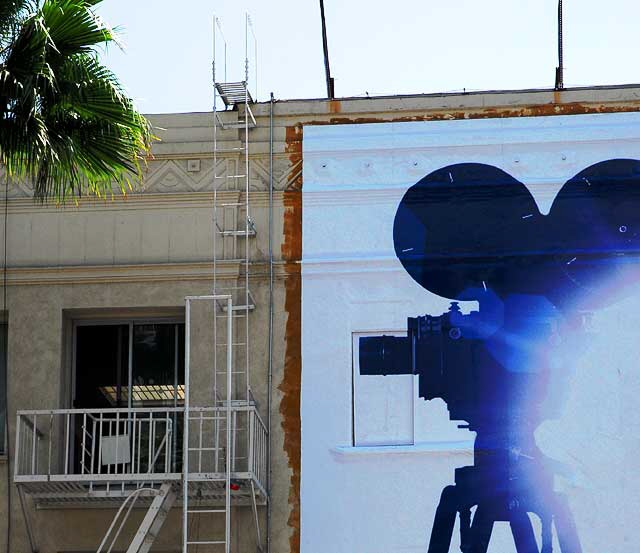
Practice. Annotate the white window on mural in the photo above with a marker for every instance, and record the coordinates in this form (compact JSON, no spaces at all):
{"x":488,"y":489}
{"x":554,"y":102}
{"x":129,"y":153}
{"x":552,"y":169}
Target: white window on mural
{"x":382,"y":405}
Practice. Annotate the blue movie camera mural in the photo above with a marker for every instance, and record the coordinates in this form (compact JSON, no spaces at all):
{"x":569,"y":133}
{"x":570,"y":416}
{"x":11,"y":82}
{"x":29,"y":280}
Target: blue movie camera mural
{"x":472,"y":232}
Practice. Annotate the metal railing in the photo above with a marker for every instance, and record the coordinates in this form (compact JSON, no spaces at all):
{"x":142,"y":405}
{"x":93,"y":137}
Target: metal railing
{"x":137,"y":445}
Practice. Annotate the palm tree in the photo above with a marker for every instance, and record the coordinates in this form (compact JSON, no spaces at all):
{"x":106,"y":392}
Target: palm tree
{"x":65,"y":123}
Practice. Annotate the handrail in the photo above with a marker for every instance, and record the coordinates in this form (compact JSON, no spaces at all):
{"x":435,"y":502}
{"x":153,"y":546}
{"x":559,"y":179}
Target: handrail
{"x":113,"y":410}
{"x":110,"y":448}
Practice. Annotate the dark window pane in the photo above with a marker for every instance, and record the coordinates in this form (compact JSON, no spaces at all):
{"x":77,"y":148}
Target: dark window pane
{"x":101,"y":366}
{"x":158,"y":364}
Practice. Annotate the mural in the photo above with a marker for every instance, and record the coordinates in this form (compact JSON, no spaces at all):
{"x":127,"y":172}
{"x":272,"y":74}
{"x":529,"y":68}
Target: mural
{"x":500,"y":361}
{"x":473,"y":232}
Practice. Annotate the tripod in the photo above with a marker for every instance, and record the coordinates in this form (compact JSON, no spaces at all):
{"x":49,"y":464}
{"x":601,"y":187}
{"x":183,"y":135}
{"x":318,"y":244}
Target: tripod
{"x":501,"y":494}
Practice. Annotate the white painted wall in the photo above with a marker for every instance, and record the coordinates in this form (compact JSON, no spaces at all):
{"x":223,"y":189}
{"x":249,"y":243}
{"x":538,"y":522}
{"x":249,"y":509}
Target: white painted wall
{"x":382,"y":499}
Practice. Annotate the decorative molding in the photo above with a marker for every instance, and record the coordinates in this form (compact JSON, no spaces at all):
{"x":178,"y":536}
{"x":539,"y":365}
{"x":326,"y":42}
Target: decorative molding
{"x":150,"y":200}
{"x":160,"y":272}
{"x":169,"y":175}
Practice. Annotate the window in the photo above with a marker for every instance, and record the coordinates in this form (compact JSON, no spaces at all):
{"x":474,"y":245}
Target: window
{"x":382,"y":405}
{"x":112,"y":359}
{"x":129,"y":364}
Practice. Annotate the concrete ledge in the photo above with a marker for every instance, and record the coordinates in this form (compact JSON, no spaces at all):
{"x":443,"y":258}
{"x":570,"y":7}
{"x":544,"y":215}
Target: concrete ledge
{"x":345,"y":454}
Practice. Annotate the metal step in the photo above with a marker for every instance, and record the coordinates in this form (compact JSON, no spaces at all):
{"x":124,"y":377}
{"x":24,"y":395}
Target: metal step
{"x":233,"y":93}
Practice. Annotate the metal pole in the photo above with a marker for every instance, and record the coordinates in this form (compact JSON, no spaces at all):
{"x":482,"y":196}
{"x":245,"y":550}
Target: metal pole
{"x":246,"y":48}
{"x":185,"y":433}
{"x":246,"y":224}
{"x":270,"y":369}
{"x":560,"y":68}
{"x":229,"y":382}
{"x":325,"y":49}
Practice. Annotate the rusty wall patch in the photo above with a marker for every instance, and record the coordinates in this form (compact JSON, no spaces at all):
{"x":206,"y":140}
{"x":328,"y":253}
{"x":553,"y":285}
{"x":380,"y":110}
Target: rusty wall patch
{"x":535,"y":110}
{"x":291,"y":382}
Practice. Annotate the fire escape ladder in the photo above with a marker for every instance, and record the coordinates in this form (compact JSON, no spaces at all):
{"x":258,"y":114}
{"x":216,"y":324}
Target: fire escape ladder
{"x":153,"y":520}
{"x":163,"y":499}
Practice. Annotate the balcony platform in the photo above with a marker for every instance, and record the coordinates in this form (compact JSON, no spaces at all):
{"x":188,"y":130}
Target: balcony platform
{"x":81,"y":458}
{"x":69,"y":492}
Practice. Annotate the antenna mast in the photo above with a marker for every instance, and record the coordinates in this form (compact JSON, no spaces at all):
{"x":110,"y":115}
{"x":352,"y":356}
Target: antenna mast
{"x":560,"y":68}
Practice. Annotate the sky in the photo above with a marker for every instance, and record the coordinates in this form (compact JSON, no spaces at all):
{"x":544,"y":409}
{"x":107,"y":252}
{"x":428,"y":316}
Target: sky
{"x":375,"y":47}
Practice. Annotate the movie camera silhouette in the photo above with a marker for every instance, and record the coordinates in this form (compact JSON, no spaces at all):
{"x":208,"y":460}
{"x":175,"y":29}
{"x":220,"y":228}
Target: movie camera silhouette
{"x":473,"y":232}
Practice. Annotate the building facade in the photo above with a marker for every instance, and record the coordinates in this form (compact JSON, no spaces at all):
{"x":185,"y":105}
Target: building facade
{"x":94,"y":311}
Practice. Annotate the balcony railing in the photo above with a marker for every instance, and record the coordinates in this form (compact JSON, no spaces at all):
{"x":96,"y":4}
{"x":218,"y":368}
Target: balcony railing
{"x":105,"y":452}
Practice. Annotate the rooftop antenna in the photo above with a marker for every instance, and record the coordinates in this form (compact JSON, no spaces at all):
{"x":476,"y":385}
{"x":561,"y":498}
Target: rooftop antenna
{"x":560,"y":68}
{"x":325,"y":48}
{"x":250,"y":31}
{"x":217,"y":30}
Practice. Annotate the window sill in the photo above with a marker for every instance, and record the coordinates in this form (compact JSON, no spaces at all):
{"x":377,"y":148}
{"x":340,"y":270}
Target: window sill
{"x":347,"y":454}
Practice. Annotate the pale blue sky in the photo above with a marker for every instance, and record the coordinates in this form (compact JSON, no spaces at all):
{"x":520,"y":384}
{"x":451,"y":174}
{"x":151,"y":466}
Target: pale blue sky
{"x":379,"y":47}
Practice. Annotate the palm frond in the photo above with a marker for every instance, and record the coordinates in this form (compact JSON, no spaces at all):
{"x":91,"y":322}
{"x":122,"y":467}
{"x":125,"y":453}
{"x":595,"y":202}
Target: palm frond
{"x":66,"y":122}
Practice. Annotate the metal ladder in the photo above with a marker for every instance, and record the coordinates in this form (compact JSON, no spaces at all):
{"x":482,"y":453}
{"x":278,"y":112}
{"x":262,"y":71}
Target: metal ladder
{"x":233,"y":226}
{"x":163,"y":500}
{"x":191,"y":478}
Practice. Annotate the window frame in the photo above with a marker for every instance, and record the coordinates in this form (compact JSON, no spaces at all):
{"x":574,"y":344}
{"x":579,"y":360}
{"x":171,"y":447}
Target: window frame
{"x":112,"y":321}
{"x":355,"y":364}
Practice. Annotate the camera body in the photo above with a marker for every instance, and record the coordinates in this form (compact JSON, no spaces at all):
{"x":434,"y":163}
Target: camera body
{"x":489,"y":377}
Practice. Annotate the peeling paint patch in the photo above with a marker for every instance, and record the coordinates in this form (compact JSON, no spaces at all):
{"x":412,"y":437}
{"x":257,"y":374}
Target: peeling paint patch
{"x":291,"y":382}
{"x":536,"y":110}
{"x":335,"y":106}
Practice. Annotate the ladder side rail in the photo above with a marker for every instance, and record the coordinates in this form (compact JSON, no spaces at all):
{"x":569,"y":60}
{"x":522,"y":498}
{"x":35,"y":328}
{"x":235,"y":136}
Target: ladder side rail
{"x":246,"y":224}
{"x":17,"y":465}
{"x":228,"y":422}
{"x":185,"y":431}
{"x":133,"y":495}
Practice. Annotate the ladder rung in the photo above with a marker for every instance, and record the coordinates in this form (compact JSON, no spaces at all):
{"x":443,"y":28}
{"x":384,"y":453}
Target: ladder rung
{"x":240,"y":307}
{"x":204,"y":449}
{"x":206,"y":542}
{"x":231,"y":177}
{"x":232,"y":372}
{"x":237,"y":233}
{"x":206,"y":511}
{"x":229,"y":149}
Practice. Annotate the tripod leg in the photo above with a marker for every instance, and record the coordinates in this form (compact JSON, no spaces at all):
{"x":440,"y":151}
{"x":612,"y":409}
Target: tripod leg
{"x":443,"y":522}
{"x":522,"y":531}
{"x":547,"y":534}
{"x":481,"y":529}
{"x":465,"y":530}
{"x":566,"y":526}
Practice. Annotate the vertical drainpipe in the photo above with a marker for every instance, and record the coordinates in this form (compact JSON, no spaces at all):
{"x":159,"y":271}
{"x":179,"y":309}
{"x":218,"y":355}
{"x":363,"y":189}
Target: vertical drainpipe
{"x":270,"y":369}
